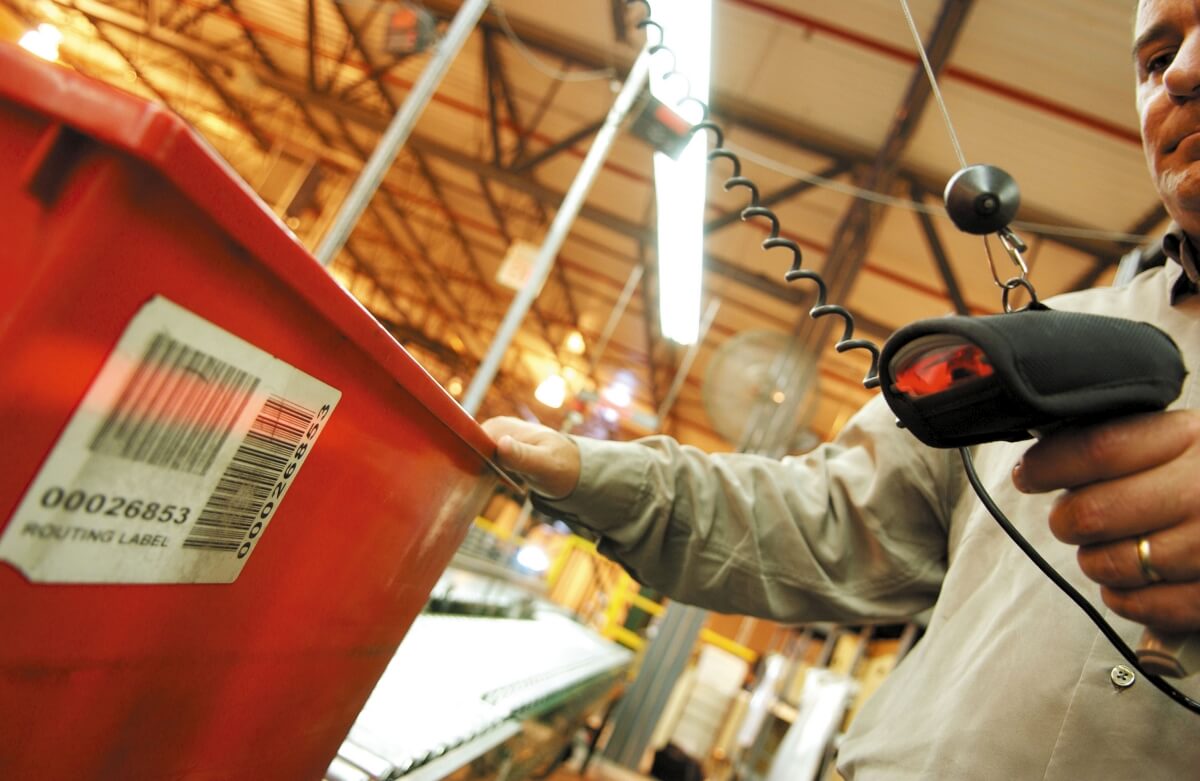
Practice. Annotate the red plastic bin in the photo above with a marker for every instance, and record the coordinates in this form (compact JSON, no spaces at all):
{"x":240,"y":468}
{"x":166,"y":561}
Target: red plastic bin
{"x":110,"y":203}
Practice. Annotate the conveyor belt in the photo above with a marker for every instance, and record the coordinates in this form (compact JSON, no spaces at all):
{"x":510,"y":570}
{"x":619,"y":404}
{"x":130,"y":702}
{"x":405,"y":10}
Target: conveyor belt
{"x":458,"y":684}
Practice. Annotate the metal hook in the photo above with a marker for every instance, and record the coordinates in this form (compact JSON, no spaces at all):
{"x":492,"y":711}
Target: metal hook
{"x":1012,"y":285}
{"x":1014,"y":245}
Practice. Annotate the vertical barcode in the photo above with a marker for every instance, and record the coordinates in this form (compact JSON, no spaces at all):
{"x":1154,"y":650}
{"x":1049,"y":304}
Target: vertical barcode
{"x":245,"y":487}
{"x":176,"y":410}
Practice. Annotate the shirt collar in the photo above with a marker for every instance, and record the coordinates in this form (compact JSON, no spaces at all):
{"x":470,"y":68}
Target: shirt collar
{"x":1179,"y":247}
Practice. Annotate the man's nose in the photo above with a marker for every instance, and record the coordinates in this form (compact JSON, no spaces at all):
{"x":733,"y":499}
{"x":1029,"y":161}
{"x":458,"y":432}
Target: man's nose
{"x":1182,"y":77}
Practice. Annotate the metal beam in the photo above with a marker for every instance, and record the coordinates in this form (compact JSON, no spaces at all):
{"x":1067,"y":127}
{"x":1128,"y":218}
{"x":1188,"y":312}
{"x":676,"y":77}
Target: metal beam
{"x":137,"y":71}
{"x":539,"y":112}
{"x":493,"y":106}
{"x":375,"y":72}
{"x":582,"y":134}
{"x":311,"y":18}
{"x":620,"y":29}
{"x":234,"y":105}
{"x":1153,"y":217}
{"x":270,"y":63}
{"x":649,"y":322}
{"x":934,"y":243}
{"x":510,"y":104}
{"x":193,"y":17}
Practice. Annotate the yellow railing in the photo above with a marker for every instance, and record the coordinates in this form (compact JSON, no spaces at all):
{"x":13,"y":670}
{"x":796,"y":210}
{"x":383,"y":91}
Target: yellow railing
{"x":625,"y":596}
{"x":570,"y":544}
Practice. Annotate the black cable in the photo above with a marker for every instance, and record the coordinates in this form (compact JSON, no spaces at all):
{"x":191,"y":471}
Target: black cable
{"x":1057,"y":579}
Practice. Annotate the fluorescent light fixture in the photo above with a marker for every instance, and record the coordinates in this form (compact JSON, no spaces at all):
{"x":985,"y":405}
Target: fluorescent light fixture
{"x":552,"y":391}
{"x":42,"y":41}
{"x":680,"y":184}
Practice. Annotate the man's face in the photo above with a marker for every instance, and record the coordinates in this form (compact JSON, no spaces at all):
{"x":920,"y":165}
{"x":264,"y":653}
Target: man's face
{"x":1167,"y":61}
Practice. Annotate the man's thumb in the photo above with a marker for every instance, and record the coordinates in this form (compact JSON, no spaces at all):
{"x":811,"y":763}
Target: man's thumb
{"x":515,"y":455}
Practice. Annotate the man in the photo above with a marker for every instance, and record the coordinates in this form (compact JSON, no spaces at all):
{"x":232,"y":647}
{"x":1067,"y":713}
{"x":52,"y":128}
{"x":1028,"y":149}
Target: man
{"x":1011,"y":680}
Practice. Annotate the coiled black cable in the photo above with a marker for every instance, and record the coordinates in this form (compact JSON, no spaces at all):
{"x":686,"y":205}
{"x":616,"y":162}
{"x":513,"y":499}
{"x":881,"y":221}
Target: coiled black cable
{"x":755,"y":210}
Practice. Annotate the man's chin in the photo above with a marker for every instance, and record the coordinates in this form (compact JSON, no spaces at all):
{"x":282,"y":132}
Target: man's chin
{"x":1180,"y":191}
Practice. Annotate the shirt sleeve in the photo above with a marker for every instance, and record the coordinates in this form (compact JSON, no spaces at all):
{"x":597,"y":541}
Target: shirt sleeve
{"x":855,"y":530}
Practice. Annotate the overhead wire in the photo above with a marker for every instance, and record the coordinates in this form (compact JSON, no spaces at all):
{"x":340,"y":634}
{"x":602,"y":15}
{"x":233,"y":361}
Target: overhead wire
{"x":933,"y":84}
{"x":1040,"y":228}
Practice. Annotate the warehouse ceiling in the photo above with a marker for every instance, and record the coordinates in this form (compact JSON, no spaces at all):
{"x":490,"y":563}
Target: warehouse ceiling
{"x":821,"y":100}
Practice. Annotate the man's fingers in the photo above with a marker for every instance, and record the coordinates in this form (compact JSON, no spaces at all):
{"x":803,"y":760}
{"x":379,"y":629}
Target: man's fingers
{"x":546,"y":459}
{"x":1171,"y":607}
{"x":1173,"y":554}
{"x":1126,"y":507}
{"x":1075,"y":457}
{"x":516,"y":455}
{"x":499,"y":426}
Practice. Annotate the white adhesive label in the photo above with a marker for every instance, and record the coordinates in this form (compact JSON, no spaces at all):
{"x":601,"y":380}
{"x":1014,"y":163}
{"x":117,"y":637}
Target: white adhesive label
{"x":174,"y":463}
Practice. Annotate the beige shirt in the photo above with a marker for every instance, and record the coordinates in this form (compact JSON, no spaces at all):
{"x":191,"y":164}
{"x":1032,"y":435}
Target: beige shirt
{"x":1011,"y":680}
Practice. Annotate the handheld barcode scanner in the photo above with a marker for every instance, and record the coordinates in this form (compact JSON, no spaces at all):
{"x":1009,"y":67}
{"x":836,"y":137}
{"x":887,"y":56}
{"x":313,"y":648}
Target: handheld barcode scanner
{"x":961,"y":381}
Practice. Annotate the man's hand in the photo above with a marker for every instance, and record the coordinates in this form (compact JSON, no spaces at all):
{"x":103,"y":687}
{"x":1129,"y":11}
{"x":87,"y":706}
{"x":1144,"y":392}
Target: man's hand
{"x":1129,"y":480}
{"x":548,"y":460}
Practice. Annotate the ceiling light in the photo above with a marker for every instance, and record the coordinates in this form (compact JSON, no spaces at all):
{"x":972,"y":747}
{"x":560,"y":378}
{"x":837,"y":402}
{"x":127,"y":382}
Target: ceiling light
{"x":618,"y":394}
{"x":552,"y":391}
{"x":42,"y":41}
{"x":455,"y":386}
{"x":575,"y":343}
{"x":680,"y":184}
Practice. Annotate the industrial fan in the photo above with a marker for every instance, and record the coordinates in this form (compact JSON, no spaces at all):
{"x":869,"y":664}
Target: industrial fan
{"x":756,"y":393}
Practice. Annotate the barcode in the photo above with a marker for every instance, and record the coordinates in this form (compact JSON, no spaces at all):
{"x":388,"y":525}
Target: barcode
{"x":245,"y":488}
{"x":177,"y":409}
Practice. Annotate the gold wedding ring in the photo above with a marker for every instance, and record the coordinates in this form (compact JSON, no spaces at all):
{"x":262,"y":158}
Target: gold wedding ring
{"x":1143,"y":553}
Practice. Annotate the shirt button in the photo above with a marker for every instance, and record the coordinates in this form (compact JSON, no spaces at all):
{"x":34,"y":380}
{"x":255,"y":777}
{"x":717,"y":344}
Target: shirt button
{"x":1122,"y":677}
